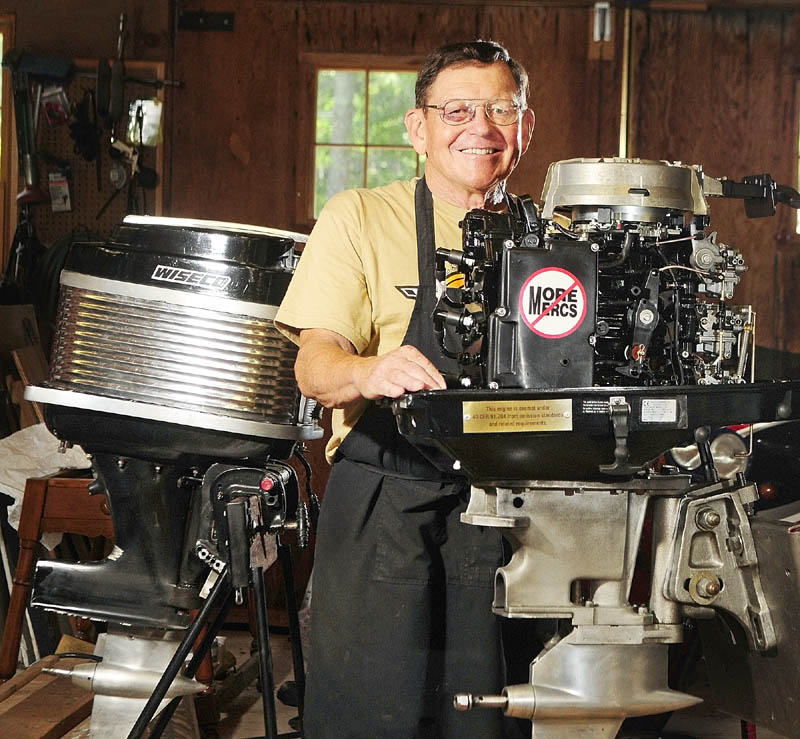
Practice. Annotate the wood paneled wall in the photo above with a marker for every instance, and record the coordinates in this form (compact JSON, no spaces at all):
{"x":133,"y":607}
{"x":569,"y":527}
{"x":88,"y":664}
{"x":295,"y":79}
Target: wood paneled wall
{"x":88,"y":30}
{"x":720,"y":89}
{"x":235,"y":152}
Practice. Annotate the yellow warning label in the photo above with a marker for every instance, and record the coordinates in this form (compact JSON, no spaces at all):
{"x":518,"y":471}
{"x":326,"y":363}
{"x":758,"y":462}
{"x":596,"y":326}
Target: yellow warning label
{"x":455,"y":279}
{"x":503,"y":416}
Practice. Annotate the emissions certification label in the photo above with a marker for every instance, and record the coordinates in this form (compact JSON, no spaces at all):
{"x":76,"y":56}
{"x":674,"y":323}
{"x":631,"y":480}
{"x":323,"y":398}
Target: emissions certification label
{"x":552,"y":302}
{"x":659,"y":410}
{"x":504,"y":416}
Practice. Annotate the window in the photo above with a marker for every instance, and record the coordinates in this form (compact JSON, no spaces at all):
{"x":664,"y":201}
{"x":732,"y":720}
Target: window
{"x":360,"y":138}
{"x":353,"y":133}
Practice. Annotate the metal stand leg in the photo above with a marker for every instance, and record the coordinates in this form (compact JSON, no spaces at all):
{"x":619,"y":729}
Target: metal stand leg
{"x":264,"y":655}
{"x":218,"y":592}
{"x":285,"y":556}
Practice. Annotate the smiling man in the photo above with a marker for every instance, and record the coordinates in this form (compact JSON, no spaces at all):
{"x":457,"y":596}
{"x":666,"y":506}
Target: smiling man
{"x":488,"y":128}
{"x":402,"y":590}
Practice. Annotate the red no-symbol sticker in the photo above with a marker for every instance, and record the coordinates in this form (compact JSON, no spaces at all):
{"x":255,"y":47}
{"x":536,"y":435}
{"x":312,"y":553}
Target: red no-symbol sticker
{"x":552,"y":302}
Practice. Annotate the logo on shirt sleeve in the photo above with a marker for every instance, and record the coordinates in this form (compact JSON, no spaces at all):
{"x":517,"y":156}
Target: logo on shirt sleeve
{"x":409,"y":291}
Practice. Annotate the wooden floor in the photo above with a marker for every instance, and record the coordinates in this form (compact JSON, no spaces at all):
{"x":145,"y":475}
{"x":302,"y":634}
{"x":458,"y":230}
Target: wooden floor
{"x":34,"y":704}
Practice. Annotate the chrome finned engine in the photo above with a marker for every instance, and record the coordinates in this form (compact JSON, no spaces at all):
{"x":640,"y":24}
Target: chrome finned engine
{"x":168,"y":370}
{"x":617,"y":282}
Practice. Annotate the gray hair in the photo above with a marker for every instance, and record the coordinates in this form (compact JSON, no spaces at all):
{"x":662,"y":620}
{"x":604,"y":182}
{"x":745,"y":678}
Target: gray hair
{"x":468,"y":52}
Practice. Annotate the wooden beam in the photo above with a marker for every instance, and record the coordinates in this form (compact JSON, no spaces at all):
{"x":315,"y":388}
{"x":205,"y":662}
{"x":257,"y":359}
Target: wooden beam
{"x":656,"y":5}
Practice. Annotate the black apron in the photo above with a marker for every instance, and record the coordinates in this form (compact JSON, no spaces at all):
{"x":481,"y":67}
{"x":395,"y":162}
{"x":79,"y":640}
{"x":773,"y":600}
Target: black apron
{"x":402,"y":590}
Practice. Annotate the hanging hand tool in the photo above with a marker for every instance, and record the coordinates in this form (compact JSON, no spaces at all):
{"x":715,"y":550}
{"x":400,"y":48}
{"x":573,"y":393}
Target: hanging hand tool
{"x":26,"y":249}
{"x":120,"y":150}
{"x":154,"y":83}
{"x":27,"y":69}
{"x":116,"y":101}
{"x":103,"y":89}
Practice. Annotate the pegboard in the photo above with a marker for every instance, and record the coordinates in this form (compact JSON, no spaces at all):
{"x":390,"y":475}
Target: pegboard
{"x":88,"y":193}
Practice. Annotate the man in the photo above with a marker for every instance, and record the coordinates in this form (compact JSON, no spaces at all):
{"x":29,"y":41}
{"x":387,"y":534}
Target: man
{"x":402,"y":590}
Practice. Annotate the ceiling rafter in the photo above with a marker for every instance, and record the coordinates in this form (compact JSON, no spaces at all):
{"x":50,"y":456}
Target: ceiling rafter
{"x":653,"y":5}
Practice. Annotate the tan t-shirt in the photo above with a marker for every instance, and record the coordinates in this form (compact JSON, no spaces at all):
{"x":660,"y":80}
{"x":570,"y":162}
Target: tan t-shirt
{"x":358,"y":274}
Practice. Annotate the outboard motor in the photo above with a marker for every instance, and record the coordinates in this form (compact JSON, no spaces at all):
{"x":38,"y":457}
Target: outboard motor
{"x":592,"y":338}
{"x":167,"y":369}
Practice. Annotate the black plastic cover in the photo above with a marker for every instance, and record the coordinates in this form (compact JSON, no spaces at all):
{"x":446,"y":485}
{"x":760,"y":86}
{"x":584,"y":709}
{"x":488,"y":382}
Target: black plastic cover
{"x":540,"y":337}
{"x":226,"y":263}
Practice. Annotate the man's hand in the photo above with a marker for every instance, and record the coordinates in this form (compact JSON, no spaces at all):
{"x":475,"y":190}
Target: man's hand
{"x":404,"y":369}
{"x":328,"y":370}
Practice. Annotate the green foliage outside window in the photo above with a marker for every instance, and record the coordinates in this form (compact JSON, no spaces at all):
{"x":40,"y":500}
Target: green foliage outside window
{"x":387,"y":165}
{"x":361,"y":139}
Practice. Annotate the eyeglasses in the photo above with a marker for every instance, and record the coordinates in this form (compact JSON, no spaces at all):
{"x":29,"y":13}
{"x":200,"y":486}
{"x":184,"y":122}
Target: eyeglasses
{"x":456,"y":112}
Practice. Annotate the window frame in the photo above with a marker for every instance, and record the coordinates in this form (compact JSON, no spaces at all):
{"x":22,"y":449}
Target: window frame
{"x":310,"y":64}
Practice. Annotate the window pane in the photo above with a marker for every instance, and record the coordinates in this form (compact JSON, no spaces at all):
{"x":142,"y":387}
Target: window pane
{"x":391,"y":94}
{"x":337,"y":168}
{"x":341,"y":97}
{"x":386,"y":165}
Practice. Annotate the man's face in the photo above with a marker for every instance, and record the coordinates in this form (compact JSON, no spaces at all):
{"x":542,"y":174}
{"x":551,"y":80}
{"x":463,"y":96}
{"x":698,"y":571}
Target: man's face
{"x":466,"y":162}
